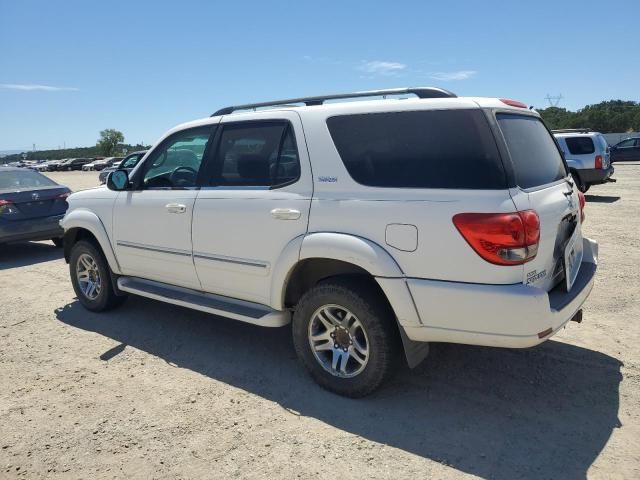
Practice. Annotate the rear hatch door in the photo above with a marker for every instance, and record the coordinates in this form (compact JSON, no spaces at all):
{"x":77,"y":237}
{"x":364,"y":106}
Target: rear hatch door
{"x":542,"y":185}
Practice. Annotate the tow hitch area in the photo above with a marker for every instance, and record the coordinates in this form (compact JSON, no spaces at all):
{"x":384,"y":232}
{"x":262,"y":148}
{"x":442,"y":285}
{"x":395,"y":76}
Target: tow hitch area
{"x":577,"y":317}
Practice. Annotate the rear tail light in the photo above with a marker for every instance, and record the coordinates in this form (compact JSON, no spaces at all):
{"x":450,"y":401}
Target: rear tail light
{"x":582,"y":204}
{"x":513,"y":103}
{"x":501,"y":238}
{"x":598,"y":161}
{"x":7,"y":207}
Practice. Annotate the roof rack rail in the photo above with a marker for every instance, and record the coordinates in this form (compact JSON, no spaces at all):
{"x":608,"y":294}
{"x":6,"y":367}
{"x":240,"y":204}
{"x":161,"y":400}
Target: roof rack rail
{"x":420,"y":92}
{"x":572,"y":130}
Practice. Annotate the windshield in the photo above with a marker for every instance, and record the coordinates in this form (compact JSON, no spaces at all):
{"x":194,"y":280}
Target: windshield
{"x":24,"y":179}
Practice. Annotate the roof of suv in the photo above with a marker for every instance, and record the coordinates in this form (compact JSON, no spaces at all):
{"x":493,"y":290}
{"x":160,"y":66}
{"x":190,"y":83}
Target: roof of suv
{"x":402,"y":103}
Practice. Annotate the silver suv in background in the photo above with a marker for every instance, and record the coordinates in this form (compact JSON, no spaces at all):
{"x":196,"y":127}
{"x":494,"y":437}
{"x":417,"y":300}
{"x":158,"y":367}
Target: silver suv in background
{"x":587,"y":156}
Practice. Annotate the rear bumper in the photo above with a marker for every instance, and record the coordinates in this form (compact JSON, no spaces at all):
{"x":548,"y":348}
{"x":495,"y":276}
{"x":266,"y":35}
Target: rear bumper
{"x":514,"y":316}
{"x":594,"y":176}
{"x":32,"y":229}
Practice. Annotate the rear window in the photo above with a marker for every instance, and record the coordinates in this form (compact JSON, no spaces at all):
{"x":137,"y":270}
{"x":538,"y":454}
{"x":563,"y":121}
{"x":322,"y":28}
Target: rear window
{"x":535,"y":156}
{"x":23,"y":179}
{"x":423,"y":149}
{"x":580,"y":145}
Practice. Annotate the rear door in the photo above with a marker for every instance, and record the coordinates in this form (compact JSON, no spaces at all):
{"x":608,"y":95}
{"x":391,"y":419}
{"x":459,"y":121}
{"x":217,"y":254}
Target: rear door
{"x":257,"y":201}
{"x":541,"y":179}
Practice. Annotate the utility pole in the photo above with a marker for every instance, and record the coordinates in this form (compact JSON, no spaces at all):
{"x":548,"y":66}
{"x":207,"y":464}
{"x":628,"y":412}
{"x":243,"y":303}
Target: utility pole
{"x":553,"y":100}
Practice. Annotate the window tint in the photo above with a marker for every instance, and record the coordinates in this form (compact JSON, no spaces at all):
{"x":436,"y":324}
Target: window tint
{"x":257,"y":154}
{"x":19,"y":180}
{"x":175,"y":164}
{"x":626,"y":143}
{"x":535,"y":156}
{"x":423,"y":149}
{"x":131,"y":161}
{"x":580,"y":145}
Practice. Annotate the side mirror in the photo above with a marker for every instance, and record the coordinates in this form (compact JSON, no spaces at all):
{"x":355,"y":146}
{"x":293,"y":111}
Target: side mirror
{"x":118,"y":180}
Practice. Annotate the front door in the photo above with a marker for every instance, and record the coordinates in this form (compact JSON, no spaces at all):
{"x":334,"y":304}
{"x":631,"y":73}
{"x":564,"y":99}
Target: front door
{"x":257,"y":201}
{"x":152,"y":224}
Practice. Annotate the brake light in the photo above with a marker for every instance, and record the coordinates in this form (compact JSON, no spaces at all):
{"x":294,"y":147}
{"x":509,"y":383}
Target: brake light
{"x":7,"y":207}
{"x":513,"y":103}
{"x":583,"y":201}
{"x":598,"y":161}
{"x":501,"y":238}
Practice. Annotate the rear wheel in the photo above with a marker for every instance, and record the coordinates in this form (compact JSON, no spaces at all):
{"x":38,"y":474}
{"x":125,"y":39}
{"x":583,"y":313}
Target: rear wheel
{"x":344,"y":334}
{"x":579,"y":183}
{"x":91,"y":278}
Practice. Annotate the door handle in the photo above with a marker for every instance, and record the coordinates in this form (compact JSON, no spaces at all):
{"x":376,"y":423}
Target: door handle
{"x":285,"y":214}
{"x":176,"y":208}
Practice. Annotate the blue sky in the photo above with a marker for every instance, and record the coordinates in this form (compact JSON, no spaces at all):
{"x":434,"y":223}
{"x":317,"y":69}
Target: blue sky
{"x":69,"y":69}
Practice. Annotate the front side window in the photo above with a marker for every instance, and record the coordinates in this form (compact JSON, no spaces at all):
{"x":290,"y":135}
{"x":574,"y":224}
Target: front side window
{"x":533,"y":151}
{"x":421,"y":149}
{"x":580,"y":145}
{"x":132,"y":160}
{"x":256,"y":154}
{"x":176,"y":163}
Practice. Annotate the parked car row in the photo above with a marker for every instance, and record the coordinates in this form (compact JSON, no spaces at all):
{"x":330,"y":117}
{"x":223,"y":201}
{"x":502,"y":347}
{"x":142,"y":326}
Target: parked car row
{"x":100,"y":164}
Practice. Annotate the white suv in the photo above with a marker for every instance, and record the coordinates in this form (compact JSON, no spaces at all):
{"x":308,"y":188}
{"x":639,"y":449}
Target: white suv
{"x":372,"y":226}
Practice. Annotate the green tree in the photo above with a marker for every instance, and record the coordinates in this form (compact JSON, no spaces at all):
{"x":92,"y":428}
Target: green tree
{"x":109,"y":140}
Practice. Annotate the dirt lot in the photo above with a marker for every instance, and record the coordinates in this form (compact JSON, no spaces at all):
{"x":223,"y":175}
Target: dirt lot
{"x":156,"y":391}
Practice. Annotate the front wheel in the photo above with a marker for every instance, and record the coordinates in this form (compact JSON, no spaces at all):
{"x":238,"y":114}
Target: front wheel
{"x":344,"y":333}
{"x":91,"y":278}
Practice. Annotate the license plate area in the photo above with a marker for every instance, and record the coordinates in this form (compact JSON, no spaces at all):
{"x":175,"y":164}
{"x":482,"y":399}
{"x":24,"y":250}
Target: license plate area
{"x":572,"y":259}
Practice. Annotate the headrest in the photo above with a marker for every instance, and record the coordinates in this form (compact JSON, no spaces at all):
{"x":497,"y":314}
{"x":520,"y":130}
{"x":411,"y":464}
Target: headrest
{"x":254,"y":168}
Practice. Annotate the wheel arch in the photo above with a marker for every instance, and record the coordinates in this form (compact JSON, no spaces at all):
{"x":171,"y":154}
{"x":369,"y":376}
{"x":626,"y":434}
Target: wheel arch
{"x":83,"y":224}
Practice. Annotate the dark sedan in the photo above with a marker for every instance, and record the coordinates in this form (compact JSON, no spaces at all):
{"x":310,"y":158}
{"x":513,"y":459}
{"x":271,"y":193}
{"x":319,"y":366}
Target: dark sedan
{"x":627,"y":150}
{"x":31,"y":206}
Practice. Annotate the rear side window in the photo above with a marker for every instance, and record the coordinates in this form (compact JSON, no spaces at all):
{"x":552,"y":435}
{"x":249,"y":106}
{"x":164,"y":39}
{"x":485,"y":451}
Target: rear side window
{"x":423,"y":149}
{"x":258,"y":154}
{"x":580,"y":145}
{"x":535,"y":156}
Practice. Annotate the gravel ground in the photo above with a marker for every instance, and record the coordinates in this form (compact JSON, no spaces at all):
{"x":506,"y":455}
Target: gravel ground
{"x":156,"y":391}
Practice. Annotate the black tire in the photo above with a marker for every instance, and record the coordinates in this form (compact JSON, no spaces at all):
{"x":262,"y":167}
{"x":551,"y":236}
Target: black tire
{"x":579,"y":183}
{"x":366,"y":302}
{"x":106,"y":298}
{"x":58,"y":242}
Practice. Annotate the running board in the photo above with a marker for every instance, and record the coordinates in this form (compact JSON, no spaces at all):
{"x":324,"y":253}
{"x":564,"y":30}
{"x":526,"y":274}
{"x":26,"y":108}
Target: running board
{"x":242,"y":310}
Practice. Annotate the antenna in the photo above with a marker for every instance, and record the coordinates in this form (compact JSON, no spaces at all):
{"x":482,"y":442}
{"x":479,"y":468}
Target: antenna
{"x":553,"y":100}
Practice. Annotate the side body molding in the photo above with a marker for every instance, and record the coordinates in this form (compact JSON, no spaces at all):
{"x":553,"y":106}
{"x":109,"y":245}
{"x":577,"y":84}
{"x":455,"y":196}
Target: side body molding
{"x":86,"y":219}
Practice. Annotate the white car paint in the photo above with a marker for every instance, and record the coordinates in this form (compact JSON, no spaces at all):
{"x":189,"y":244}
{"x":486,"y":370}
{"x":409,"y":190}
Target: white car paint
{"x":244,"y":243}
